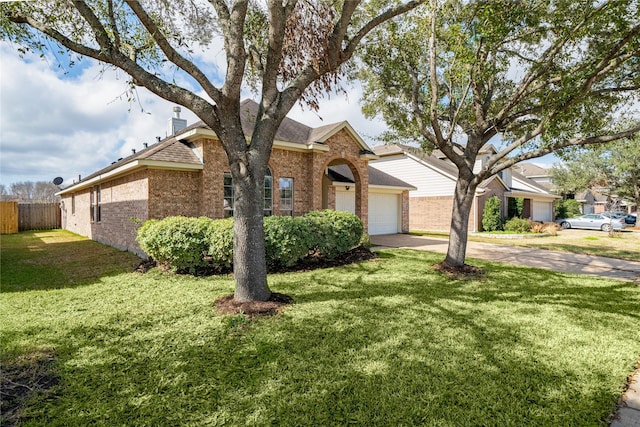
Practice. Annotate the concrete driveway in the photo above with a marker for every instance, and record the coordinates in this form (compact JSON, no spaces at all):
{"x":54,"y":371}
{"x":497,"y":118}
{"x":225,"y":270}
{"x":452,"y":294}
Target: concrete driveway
{"x":549,"y":260}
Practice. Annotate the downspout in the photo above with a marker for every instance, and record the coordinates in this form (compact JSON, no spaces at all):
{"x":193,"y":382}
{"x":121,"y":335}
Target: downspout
{"x":475,"y":213}
{"x":475,"y":210}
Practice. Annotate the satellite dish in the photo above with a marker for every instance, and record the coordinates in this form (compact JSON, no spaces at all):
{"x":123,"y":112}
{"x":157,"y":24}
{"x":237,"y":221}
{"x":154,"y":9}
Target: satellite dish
{"x":57,"y":180}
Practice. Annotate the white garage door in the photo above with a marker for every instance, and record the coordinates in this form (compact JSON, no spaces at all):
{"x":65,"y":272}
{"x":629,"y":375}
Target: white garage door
{"x":542,"y":211}
{"x":384,"y":213}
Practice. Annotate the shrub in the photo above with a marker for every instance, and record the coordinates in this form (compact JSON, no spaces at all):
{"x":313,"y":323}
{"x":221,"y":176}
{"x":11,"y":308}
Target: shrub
{"x":491,"y":220}
{"x":567,"y":208}
{"x":286,"y":240}
{"x":177,"y":242}
{"x":517,"y":225}
{"x":190,"y":244}
{"x":220,"y":242}
{"x":536,"y":227}
{"x":334,"y":232}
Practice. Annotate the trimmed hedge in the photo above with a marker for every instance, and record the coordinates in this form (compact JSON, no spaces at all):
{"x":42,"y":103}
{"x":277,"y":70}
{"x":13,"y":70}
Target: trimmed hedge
{"x":334,"y":232}
{"x":221,"y":243}
{"x":177,"y":242}
{"x":286,"y":240}
{"x":517,"y":225}
{"x":189,"y":245}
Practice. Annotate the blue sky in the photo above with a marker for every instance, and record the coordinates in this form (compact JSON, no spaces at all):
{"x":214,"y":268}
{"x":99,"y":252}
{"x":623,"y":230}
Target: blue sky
{"x":61,"y":121}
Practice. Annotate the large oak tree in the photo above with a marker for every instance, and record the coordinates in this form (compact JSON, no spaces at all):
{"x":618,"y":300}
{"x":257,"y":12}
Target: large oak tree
{"x":531,"y":77}
{"x":287,"y":50}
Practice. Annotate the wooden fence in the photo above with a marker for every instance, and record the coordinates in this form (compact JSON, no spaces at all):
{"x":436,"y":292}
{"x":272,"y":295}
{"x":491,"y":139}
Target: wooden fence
{"x":30,"y":216}
{"x":39,"y":216}
{"x":8,"y":217}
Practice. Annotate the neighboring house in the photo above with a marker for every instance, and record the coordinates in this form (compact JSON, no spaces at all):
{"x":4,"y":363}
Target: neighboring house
{"x":542,"y":176}
{"x":188,"y":174}
{"x":431,"y":204}
{"x":591,"y":201}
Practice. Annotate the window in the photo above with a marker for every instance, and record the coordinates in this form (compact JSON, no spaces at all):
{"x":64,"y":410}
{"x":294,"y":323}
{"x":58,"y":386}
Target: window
{"x":268,"y":193}
{"x":267,"y":199}
{"x":286,"y":195}
{"x":95,"y":208}
{"x":228,"y":195}
{"x":73,"y":204}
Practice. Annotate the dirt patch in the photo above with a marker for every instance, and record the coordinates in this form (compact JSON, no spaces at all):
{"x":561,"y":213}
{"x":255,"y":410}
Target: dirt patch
{"x":22,"y":379}
{"x":464,"y":271}
{"x":275,"y":304}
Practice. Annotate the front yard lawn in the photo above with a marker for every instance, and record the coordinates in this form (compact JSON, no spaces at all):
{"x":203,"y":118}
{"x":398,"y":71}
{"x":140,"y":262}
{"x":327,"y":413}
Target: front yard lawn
{"x":383,"y":342}
{"x":623,"y":245}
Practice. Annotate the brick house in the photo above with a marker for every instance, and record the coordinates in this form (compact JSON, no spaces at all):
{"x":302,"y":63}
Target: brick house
{"x":188,"y":174}
{"x":431,"y":204}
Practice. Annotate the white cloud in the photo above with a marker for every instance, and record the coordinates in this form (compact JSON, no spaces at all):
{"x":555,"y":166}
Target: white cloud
{"x":68,"y":125}
{"x":54,"y":125}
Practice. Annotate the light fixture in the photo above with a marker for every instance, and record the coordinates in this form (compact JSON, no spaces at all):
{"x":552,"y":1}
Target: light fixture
{"x":346,"y":187}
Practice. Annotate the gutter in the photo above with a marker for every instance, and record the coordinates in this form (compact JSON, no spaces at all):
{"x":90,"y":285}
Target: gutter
{"x":128,"y":168}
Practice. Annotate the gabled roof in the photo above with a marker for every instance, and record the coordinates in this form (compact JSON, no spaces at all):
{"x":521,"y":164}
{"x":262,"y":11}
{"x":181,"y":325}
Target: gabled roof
{"x":531,"y":183}
{"x":177,"y":152}
{"x":168,"y":153}
{"x":442,"y":166}
{"x":449,"y":170}
{"x":293,"y":131}
{"x":531,"y":170}
{"x":377,"y":178}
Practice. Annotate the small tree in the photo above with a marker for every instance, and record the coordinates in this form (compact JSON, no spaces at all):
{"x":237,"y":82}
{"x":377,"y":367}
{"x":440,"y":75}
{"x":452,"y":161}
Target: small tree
{"x":515,"y":207}
{"x":491,"y":220}
{"x":567,"y":208}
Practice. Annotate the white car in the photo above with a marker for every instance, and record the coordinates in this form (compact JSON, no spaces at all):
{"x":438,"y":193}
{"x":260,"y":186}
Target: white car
{"x":593,"y":222}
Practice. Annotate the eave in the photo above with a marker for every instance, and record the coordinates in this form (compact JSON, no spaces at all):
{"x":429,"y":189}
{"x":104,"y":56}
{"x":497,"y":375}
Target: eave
{"x":129,"y":168}
{"x":200,"y":133}
{"x":531,"y":195}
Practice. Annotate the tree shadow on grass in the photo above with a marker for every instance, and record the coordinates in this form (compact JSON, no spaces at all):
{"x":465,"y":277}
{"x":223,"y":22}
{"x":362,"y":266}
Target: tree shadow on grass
{"x":388,"y":342}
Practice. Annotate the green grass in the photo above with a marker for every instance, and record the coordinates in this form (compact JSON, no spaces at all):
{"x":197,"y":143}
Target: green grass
{"x":55,"y":259}
{"x":625,"y":245}
{"x":384,"y":342}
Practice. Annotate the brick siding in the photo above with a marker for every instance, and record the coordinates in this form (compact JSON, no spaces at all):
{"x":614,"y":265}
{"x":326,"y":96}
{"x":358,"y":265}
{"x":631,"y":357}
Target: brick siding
{"x":434,"y":213}
{"x":158,"y":193}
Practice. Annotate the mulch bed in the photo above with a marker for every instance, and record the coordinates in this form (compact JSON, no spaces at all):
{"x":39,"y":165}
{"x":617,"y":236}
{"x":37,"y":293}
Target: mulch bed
{"x":275,"y":304}
{"x":29,"y":376}
{"x":465,"y":271}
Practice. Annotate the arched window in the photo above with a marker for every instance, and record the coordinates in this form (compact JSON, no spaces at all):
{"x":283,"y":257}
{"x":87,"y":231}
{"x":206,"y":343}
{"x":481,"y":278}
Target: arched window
{"x":268,"y":194}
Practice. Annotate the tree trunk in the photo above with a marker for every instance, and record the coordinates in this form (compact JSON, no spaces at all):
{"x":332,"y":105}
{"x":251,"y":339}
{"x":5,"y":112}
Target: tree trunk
{"x":462,"y":203}
{"x":249,"y":263}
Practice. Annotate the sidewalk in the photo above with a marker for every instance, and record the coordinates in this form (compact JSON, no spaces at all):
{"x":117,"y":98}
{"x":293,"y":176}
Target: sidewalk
{"x":628,"y":414}
{"x":539,"y":258}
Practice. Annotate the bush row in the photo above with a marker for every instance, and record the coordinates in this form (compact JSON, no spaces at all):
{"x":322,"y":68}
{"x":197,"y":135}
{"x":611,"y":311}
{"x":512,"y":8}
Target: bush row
{"x":191,"y":244}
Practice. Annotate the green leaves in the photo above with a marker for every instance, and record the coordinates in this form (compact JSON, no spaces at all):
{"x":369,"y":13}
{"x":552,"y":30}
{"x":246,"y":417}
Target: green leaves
{"x":537,"y":72}
{"x":194,"y":245}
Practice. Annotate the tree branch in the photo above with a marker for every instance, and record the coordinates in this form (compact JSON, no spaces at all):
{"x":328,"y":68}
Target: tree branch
{"x":574,"y":142}
{"x":171,"y":54}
